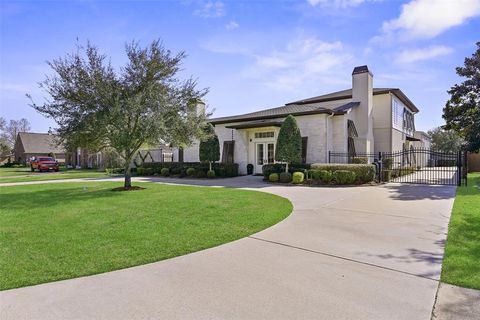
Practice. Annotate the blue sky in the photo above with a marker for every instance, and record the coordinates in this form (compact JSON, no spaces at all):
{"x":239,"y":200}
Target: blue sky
{"x":251,"y":54}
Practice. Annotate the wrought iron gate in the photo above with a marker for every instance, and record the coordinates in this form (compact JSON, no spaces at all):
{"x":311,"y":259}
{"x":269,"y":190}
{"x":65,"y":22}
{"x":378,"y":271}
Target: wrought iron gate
{"x":414,"y":165}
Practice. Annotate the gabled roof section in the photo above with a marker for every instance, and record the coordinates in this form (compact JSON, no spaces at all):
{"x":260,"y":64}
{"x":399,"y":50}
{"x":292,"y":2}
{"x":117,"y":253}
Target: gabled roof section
{"x":293,"y":109}
{"x":347,"y":94}
{"x":40,"y":143}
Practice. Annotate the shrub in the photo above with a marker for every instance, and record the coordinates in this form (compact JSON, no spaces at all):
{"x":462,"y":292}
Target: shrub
{"x":200,"y":174}
{"x":386,"y":175}
{"x":279,"y":168}
{"x":273,"y":177}
{"x":140,"y":171}
{"x":344,"y":176}
{"x":364,"y":172}
{"x":190,"y":172}
{"x":446,"y":163}
{"x":180,"y":168}
{"x":387,"y":163}
{"x":148,"y":172}
{"x":298,"y":177}
{"x":323,"y":176}
{"x":219,"y":172}
{"x":165,"y":172}
{"x":211,"y":174}
{"x":360,"y":160}
{"x":115,"y":171}
{"x":285,"y":177}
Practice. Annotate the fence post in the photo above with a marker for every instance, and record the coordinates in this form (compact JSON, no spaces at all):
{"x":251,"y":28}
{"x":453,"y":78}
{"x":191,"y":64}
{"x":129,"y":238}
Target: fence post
{"x":459,"y":168}
{"x":329,"y":155}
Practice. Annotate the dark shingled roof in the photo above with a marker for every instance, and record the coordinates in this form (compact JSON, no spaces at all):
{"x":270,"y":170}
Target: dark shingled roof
{"x":347,"y":94}
{"x":295,"y":110}
{"x":40,"y":143}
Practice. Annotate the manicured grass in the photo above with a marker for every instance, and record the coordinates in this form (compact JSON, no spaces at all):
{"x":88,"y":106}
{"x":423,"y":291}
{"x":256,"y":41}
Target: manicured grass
{"x":8,"y":175}
{"x":461,"y":265}
{"x":58,"y":231}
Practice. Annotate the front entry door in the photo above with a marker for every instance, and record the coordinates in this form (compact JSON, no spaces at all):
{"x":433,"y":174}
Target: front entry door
{"x":264,"y":154}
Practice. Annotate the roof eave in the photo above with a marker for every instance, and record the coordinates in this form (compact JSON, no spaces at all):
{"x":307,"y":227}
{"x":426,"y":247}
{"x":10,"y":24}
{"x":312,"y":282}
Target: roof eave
{"x":304,"y":113}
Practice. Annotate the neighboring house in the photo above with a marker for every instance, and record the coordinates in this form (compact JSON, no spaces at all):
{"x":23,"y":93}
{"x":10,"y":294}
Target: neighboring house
{"x":29,"y":145}
{"x":424,"y":140}
{"x":360,"y":120}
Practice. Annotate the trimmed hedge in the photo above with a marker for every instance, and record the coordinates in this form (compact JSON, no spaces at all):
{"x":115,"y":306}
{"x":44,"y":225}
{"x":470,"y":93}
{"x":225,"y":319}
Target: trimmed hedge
{"x":190,"y":172}
{"x":273,"y":177}
{"x":279,"y":168}
{"x":324,"y":176}
{"x":344,"y":177}
{"x":446,"y":163}
{"x":360,"y":160}
{"x":298,"y":177}
{"x":285,"y":177}
{"x":165,"y":172}
{"x":211,"y":174}
{"x":180,"y":168}
{"x":364,"y":173}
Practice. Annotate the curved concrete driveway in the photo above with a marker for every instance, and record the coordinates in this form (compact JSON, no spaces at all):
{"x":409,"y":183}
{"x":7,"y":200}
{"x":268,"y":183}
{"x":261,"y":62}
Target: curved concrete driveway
{"x":344,"y":253}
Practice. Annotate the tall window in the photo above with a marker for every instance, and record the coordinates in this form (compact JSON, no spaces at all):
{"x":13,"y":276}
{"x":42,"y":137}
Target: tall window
{"x":304,"y":149}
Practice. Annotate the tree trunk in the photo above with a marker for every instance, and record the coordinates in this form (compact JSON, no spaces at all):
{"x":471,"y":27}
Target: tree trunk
{"x":128,"y":177}
{"x":286,"y":167}
{"x":210,"y":164}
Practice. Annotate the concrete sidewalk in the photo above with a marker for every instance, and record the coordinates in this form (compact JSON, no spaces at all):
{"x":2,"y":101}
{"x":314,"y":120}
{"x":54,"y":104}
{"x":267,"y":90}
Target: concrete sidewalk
{"x":344,"y":253}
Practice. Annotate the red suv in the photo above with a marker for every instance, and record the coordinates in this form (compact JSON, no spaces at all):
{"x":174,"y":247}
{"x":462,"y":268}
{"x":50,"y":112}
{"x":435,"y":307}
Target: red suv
{"x":44,"y":164}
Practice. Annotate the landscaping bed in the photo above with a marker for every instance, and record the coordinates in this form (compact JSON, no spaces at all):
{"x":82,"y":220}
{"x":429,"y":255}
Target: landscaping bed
{"x":321,"y":174}
{"x":59,"y":231}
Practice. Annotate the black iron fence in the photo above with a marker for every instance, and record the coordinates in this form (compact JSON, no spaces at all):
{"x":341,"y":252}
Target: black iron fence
{"x":416,"y":165}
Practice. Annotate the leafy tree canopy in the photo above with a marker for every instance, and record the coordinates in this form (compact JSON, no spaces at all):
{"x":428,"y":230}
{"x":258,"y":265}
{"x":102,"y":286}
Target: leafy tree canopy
{"x":289,"y":143}
{"x":462,"y":111}
{"x":209,"y":146}
{"x":445,"y":141}
{"x":96,"y":106}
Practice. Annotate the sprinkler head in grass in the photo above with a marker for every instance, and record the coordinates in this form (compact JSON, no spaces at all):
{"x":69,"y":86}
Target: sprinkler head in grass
{"x":84,"y":189}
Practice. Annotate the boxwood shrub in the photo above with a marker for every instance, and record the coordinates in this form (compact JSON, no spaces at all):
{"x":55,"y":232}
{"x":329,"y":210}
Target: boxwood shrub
{"x":180,"y":168}
{"x":211,"y":174}
{"x":323,"y":176}
{"x":273,"y":177}
{"x":165,"y":172}
{"x":298,"y":177}
{"x":344,"y":177}
{"x":285,"y":177}
{"x":364,"y":173}
{"x":280,"y":167}
{"x":190,"y":172}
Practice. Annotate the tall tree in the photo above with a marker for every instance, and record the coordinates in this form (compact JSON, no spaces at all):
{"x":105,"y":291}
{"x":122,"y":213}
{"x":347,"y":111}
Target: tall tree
{"x":209,"y":150}
{"x":145,"y":102}
{"x":9,"y":130}
{"x":462,"y":111}
{"x":289,"y":143}
{"x":445,"y":141}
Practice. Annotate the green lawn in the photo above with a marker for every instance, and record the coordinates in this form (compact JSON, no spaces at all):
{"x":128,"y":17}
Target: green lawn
{"x":8,"y":175}
{"x":461,"y":265}
{"x":58,"y":231}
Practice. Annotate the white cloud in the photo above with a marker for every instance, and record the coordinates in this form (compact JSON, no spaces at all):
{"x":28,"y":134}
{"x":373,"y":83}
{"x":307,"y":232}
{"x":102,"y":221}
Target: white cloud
{"x":429,"y":18}
{"x":337,"y":3}
{"x":211,"y":9}
{"x":414,"y":55}
{"x":304,"y":62}
{"x":232,"y":25}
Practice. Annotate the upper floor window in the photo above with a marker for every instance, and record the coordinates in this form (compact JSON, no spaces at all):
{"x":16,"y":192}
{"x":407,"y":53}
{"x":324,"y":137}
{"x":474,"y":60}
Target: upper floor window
{"x":266,"y":134}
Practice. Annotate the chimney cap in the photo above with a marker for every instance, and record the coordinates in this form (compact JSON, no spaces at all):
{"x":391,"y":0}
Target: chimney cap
{"x":360,"y":69}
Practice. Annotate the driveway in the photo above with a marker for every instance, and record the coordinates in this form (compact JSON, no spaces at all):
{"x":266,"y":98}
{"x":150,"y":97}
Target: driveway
{"x":344,"y":253}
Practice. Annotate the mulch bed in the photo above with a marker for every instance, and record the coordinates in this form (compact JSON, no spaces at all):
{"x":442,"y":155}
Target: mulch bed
{"x":132,"y":188}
